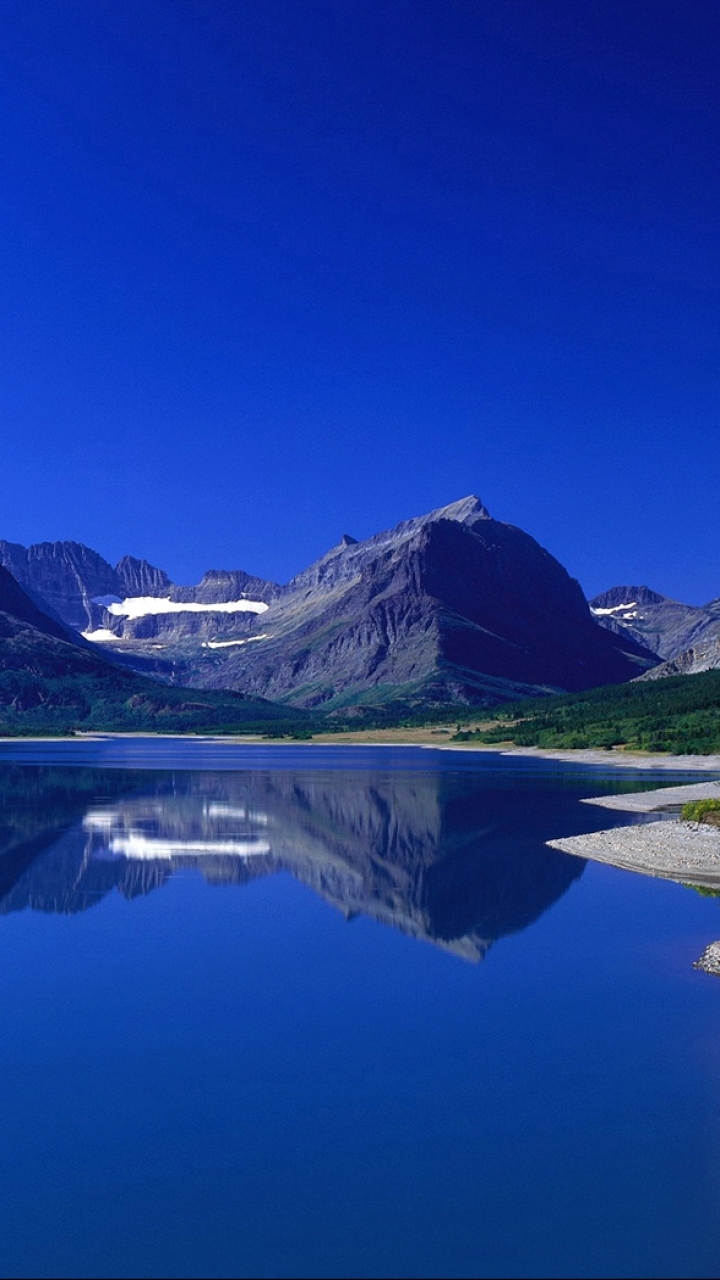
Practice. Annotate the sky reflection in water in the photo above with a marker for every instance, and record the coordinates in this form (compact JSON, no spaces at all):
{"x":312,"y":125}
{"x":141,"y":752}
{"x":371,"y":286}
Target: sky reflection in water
{"x":217,"y":1083}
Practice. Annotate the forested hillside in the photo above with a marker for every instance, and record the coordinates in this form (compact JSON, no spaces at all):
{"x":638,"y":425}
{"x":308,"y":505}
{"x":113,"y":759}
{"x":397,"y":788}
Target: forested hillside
{"x":680,"y":714}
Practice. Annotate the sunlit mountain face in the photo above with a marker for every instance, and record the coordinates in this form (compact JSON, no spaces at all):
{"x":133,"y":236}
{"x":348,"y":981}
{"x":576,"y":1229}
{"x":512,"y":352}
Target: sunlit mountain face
{"x":439,"y":856}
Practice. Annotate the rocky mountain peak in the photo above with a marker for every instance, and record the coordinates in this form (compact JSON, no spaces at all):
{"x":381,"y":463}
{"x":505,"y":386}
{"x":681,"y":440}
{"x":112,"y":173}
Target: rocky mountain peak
{"x":140,"y":578}
{"x":629,"y":597}
{"x":464,"y":511}
{"x":350,"y":558}
{"x":222,"y":585}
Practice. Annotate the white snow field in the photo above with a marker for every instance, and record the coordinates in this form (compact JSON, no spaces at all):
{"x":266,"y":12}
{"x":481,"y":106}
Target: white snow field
{"x":141,"y":606}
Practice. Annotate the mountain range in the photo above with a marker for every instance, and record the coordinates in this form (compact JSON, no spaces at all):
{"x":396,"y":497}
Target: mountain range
{"x":50,"y":677}
{"x":453,"y":606}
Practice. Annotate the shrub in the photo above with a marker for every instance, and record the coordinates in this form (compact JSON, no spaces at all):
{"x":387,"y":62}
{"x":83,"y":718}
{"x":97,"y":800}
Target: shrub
{"x":695,"y":810}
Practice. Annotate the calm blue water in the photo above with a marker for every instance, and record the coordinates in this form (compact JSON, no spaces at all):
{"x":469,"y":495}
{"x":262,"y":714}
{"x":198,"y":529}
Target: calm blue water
{"x":297,"y":1011}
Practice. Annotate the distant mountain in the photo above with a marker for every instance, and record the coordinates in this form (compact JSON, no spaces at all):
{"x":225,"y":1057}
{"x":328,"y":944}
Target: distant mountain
{"x":50,"y":680}
{"x":672,"y":630}
{"x":75,"y":584}
{"x":448,"y":606}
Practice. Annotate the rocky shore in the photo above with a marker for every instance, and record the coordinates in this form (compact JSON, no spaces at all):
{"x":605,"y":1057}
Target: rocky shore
{"x":660,"y":799}
{"x":667,"y":847}
{"x":688,"y":852}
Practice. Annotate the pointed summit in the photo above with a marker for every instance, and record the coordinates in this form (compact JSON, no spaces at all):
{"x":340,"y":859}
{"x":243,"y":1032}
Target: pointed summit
{"x":465,"y":511}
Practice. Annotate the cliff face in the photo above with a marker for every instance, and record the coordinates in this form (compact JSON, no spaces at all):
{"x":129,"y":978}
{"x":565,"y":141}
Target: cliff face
{"x":139,"y":578}
{"x":452,"y":605}
{"x":61,"y":576}
{"x":218,"y":586}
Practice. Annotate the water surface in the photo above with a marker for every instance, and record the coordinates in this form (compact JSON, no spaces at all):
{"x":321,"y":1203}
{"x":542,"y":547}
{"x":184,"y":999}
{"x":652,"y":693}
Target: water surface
{"x":296,"y":1010}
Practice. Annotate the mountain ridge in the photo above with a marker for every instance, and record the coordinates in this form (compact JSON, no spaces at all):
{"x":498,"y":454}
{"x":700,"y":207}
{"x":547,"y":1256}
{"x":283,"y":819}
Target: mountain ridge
{"x":452,"y":605}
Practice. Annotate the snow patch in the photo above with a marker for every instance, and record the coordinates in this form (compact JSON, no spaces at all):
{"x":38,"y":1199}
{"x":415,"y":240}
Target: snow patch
{"x":100,"y":636}
{"x":225,"y":644}
{"x":146,"y":849}
{"x":616,"y":608}
{"x":219,"y":809}
{"x":142,"y":606}
{"x":101,"y":819}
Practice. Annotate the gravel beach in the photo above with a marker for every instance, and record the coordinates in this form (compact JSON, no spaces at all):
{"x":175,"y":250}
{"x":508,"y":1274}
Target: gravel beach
{"x":688,"y":852}
{"x":660,"y":799}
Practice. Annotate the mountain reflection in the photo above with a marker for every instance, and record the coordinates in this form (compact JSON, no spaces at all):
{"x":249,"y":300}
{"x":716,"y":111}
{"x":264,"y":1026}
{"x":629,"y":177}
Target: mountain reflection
{"x":437,"y":856}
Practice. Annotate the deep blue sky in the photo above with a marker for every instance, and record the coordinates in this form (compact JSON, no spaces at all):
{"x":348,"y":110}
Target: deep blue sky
{"x":274,"y":270}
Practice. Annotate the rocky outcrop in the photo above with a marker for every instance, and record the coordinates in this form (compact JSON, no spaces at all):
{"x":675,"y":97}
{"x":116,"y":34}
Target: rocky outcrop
{"x":709,"y":961}
{"x":703,"y":656}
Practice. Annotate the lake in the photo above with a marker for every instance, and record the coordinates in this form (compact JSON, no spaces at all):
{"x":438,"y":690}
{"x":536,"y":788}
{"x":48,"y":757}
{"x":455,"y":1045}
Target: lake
{"x":297,"y":1010}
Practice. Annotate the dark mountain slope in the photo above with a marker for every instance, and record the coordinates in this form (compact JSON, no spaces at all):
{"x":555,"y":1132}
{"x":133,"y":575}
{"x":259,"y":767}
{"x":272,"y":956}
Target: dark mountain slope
{"x":451,"y":605}
{"x":19,"y":611}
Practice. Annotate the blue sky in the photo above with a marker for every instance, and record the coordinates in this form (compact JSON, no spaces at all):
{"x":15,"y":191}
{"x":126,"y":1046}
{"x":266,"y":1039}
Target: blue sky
{"x":276,"y":270}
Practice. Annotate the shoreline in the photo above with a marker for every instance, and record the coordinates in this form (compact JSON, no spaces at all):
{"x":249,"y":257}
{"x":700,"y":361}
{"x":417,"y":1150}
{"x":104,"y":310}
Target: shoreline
{"x":685,"y":852}
{"x":671,"y":849}
{"x":666,"y":847}
{"x":595,"y":756}
{"x":422,"y":739}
